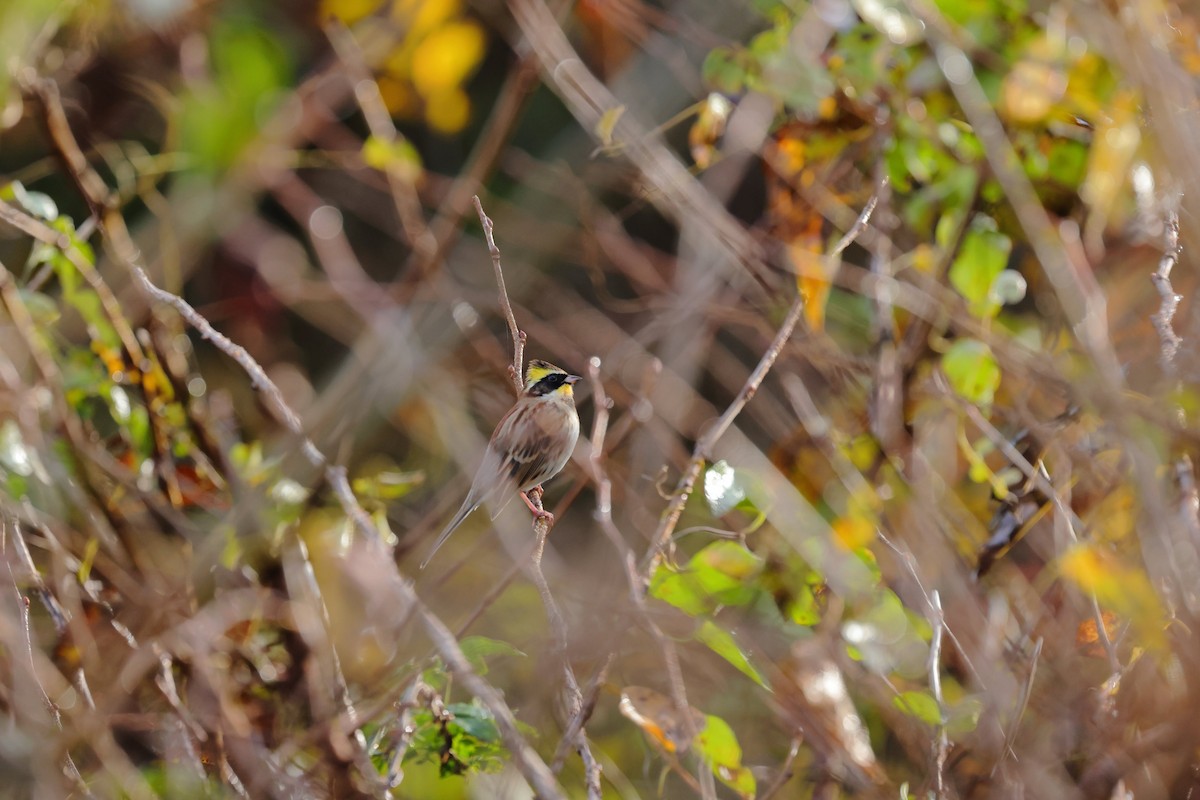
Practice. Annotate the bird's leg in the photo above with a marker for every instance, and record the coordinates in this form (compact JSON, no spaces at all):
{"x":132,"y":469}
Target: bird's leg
{"x":540,"y":513}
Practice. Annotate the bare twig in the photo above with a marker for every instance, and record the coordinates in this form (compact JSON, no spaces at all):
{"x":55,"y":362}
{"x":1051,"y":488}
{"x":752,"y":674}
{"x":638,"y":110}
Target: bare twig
{"x":704,"y":445}
{"x":447,"y":225}
{"x":785,"y":771}
{"x":1010,"y":735}
{"x":541,"y":529}
{"x":1170,"y":300}
{"x":518,"y":335}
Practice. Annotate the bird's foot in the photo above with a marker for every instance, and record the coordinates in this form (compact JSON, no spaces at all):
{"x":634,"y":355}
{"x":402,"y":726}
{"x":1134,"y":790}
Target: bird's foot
{"x":538,"y":513}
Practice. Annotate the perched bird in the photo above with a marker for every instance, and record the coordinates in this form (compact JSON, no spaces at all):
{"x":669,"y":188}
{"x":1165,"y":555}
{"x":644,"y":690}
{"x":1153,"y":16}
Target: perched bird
{"x":529,"y":446}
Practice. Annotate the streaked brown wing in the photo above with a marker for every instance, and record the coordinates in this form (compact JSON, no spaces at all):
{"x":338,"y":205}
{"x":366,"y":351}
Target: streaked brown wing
{"x":525,"y":435}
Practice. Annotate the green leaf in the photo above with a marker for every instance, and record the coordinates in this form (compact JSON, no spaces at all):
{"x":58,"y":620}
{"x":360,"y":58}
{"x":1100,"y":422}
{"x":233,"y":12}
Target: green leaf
{"x":730,"y":559}
{"x":478,"y":649}
{"x":717,"y":744}
{"x":980,"y":260}
{"x":721,"y":642}
{"x":720,"y":574}
{"x":475,"y":721}
{"x":963,"y":717}
{"x":919,"y":704}
{"x":972,"y":371}
{"x":1067,"y":162}
{"x":802,"y":609}
{"x":725,"y":70}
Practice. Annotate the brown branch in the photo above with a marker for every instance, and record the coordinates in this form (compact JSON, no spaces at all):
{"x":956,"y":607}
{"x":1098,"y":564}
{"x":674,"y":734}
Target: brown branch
{"x":541,"y":524}
{"x":518,"y":335}
{"x":704,"y":445}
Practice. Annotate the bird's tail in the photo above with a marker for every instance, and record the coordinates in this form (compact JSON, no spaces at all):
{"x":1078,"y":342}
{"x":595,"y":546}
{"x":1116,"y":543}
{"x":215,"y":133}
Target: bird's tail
{"x":463,"y":513}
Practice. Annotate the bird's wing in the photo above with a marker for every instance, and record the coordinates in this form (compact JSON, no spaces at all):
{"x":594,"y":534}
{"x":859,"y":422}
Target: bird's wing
{"x":525,"y":446}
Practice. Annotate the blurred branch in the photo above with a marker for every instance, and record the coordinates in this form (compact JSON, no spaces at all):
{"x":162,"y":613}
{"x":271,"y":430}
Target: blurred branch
{"x":1070,"y":275}
{"x":379,"y":123}
{"x":447,"y":225}
{"x":941,"y":743}
{"x":785,"y":770}
{"x":666,"y":645}
{"x":677,"y":192}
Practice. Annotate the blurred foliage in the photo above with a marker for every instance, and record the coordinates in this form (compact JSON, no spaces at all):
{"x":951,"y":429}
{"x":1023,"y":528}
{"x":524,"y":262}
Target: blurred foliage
{"x":422,"y":74}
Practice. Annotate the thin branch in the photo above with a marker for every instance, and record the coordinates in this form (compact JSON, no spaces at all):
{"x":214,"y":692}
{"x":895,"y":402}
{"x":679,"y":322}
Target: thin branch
{"x":666,"y":645}
{"x":708,"y":439}
{"x":447,"y":225}
{"x":785,"y":771}
{"x":379,"y":123}
{"x":1010,"y":736}
{"x":1170,"y":300}
{"x":541,"y":526}
{"x":706,"y":442}
{"x":518,"y":335}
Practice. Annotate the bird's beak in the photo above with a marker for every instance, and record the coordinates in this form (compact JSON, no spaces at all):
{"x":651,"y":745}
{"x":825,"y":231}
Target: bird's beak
{"x":574,"y":378}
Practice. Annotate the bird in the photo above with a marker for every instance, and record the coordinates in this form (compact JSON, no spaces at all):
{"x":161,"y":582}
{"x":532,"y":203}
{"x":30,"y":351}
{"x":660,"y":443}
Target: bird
{"x":530,"y":445}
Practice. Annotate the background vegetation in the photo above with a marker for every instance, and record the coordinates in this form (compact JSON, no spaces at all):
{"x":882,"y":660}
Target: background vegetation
{"x":885,"y":309}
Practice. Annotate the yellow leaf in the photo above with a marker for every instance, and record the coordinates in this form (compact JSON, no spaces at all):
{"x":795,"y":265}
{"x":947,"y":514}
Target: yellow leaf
{"x":446,"y":57}
{"x":1117,"y":586}
{"x":608,"y":124}
{"x":813,"y":276}
{"x":348,"y":11}
{"x":1030,"y":91}
{"x":448,"y":111}
{"x":418,"y":17}
{"x":854,"y":532}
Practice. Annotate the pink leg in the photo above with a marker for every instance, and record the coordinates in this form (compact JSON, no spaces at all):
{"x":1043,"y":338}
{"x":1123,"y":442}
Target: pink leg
{"x":537,"y":512}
